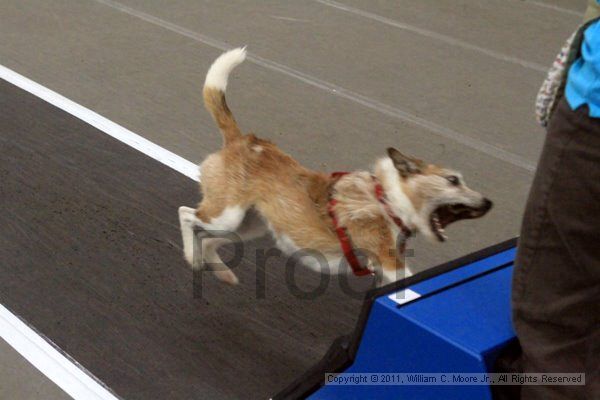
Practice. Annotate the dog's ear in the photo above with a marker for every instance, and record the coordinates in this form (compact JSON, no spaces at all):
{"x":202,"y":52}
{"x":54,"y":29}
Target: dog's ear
{"x":405,"y":165}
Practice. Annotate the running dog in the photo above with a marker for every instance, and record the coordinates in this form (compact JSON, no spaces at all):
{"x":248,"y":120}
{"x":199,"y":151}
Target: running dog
{"x":252,"y":188}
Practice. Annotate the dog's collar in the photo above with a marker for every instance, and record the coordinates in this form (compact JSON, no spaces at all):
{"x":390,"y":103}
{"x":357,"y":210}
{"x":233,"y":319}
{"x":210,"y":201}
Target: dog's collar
{"x":380,"y":195}
{"x":342,"y":233}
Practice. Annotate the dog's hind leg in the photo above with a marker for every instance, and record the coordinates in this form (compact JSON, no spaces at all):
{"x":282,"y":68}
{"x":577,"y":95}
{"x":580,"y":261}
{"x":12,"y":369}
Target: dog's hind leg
{"x":213,"y":216}
{"x":212,"y":260}
{"x":213,"y":219}
{"x":188,"y":221}
{"x":252,"y":227}
{"x":231,"y":225}
{"x":216,"y":221}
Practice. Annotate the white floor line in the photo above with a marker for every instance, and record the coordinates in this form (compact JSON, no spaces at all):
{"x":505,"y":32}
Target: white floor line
{"x":118,"y":132}
{"x":555,"y":8}
{"x":471,"y":142}
{"x":45,"y":357}
{"x":434,"y":35}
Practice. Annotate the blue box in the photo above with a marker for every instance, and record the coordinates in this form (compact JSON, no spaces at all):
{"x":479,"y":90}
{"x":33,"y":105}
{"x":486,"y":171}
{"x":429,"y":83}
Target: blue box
{"x":456,"y":320}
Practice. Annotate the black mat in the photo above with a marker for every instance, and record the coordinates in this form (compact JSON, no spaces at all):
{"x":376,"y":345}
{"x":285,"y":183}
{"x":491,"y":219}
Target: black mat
{"x":90,"y":256}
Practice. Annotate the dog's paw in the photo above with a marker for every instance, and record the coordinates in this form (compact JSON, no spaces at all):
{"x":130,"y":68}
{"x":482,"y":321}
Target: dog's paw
{"x":227,"y":276}
{"x":188,"y":256}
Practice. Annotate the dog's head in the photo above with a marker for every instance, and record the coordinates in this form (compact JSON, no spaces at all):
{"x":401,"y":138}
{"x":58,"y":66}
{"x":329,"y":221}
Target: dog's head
{"x":437,"y":196}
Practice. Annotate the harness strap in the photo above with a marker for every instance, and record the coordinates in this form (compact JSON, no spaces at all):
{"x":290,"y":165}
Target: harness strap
{"x":342,"y":233}
{"x":345,"y":242}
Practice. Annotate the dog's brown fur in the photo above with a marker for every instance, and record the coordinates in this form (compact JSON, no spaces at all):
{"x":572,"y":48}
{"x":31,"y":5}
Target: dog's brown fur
{"x":250,"y":173}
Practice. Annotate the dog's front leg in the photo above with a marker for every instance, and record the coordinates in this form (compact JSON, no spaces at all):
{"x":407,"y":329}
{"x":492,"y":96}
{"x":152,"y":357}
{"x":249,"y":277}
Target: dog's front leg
{"x":392,"y":268}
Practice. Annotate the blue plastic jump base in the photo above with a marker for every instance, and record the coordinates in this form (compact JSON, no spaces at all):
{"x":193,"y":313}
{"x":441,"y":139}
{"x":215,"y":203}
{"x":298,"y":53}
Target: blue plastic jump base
{"x":454,"y":318}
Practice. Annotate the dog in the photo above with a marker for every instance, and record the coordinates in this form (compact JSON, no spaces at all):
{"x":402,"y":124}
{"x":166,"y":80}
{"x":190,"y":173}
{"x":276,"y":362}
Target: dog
{"x":253,"y":188}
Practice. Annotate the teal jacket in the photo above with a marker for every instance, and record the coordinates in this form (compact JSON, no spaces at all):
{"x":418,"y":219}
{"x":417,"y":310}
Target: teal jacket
{"x":583,"y":82}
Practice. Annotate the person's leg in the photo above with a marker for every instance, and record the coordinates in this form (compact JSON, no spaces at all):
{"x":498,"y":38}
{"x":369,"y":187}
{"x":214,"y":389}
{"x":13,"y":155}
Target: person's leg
{"x":556,"y":283}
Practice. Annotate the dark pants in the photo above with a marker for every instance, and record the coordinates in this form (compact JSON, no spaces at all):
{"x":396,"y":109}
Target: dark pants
{"x":556,"y":283}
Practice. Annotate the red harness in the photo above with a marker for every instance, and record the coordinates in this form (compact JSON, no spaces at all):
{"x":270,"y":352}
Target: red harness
{"x":342,"y":232}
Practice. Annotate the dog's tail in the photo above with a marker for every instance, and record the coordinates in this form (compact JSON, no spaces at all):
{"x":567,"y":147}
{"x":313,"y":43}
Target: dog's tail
{"x":214,"y":92}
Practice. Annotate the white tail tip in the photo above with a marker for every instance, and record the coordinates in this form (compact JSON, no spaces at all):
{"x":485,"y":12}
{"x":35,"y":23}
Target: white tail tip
{"x":221,"y":68}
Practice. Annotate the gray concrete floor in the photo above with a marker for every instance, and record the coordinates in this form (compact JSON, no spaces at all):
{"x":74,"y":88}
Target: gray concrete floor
{"x":20,"y":380}
{"x":332,"y":82}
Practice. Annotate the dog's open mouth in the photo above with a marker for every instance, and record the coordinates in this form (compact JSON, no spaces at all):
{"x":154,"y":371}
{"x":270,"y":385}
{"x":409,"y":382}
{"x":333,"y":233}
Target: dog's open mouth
{"x":444,"y":215}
